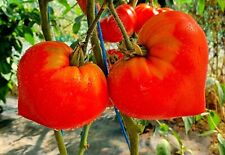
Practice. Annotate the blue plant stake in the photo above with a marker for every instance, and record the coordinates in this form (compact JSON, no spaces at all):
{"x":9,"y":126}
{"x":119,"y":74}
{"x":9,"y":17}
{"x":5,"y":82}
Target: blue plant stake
{"x":123,"y":130}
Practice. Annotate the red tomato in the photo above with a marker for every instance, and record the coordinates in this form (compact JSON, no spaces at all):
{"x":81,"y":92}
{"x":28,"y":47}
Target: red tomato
{"x":160,"y":10}
{"x":110,"y":30}
{"x":144,"y":12}
{"x":83,"y":5}
{"x":170,"y":80}
{"x":57,"y":95}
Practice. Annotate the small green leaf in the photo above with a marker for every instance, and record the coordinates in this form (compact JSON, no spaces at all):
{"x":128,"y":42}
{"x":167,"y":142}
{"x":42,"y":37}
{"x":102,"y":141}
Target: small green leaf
{"x":201,"y":6}
{"x":64,"y":3}
{"x":28,"y":37}
{"x":163,"y":148}
{"x":76,"y":27}
{"x":213,"y":120}
{"x":163,"y":128}
{"x":188,"y":122}
{"x":78,"y":19}
{"x":221,"y":144}
{"x":221,"y":4}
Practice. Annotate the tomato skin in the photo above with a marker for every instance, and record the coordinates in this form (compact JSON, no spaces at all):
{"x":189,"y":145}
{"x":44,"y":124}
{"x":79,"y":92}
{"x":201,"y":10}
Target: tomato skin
{"x":83,"y":5}
{"x":57,"y":95}
{"x":170,"y":81}
{"x":110,"y":29}
{"x":160,"y":10}
{"x":144,"y":12}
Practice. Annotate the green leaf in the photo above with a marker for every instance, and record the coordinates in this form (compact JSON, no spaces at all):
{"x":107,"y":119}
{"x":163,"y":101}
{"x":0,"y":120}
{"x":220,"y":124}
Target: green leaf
{"x":78,"y":19}
{"x":188,"y":122}
{"x":28,"y":37}
{"x":213,"y":120}
{"x":201,"y":6}
{"x":219,"y":87}
{"x":76,"y":27}
{"x":64,"y":3}
{"x":163,"y":148}
{"x":221,"y":4}
{"x":5,"y":87}
{"x":163,"y":128}
{"x":221,"y":144}
{"x":5,"y":67}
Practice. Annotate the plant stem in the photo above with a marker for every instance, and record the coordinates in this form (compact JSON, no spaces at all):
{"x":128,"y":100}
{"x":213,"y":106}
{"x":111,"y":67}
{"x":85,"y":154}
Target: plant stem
{"x":93,"y":26}
{"x":120,"y":24}
{"x":84,"y":136}
{"x":133,"y":132}
{"x":94,"y":38}
{"x":133,"y":3}
{"x":60,"y":142}
{"x":43,"y":5}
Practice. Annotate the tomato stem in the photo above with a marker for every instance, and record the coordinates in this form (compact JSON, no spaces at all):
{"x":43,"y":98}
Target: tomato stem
{"x":43,"y":5}
{"x":94,"y":37}
{"x":133,"y":3}
{"x":93,"y":25}
{"x":60,"y":142}
{"x":133,"y":131}
{"x":84,"y":136}
{"x":77,"y":57}
{"x":120,"y":24}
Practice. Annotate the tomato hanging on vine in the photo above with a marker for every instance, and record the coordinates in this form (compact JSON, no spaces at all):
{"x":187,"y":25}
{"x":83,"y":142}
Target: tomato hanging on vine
{"x":169,"y":81}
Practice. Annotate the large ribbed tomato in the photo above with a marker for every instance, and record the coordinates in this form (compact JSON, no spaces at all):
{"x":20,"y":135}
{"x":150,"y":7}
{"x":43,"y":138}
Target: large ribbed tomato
{"x":170,"y":80}
{"x":144,"y":12}
{"x":55,"y":94}
{"x":110,"y":30}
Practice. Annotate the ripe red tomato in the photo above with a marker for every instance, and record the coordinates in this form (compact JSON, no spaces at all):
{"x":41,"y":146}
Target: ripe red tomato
{"x":160,"y":10}
{"x":57,"y":95}
{"x":110,"y":30}
{"x":83,"y":5}
{"x":144,"y":12}
{"x":170,"y":80}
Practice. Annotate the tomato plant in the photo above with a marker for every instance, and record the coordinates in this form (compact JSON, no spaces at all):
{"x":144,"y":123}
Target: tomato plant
{"x":144,"y":12}
{"x":55,"y":94}
{"x":114,"y":55}
{"x":170,"y":80}
{"x":110,"y":29}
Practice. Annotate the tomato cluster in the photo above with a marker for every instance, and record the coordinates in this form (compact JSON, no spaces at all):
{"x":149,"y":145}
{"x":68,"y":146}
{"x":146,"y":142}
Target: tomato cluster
{"x":167,"y":81}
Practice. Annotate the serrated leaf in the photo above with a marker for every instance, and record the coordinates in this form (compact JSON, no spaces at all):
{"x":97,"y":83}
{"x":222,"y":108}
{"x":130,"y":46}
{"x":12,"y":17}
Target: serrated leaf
{"x":76,"y":27}
{"x":221,"y":144}
{"x":188,"y":122}
{"x":201,"y":6}
{"x":213,"y":120}
{"x":163,"y":148}
{"x":221,"y":4}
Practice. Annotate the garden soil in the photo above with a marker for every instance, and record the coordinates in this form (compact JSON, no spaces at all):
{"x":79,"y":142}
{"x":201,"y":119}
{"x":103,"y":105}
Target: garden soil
{"x":19,"y":136}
